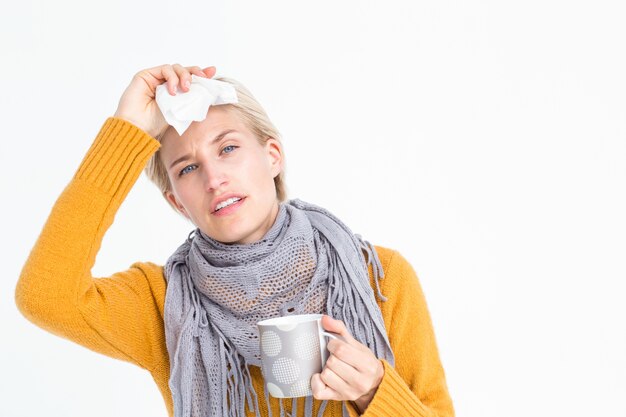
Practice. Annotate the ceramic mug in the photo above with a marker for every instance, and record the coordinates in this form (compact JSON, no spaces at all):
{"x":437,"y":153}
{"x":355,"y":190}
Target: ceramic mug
{"x":293,"y":349}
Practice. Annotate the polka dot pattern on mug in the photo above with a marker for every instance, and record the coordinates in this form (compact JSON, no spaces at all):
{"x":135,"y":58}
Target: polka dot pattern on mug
{"x":271,"y":343}
{"x":274,"y":390}
{"x":301,"y":389}
{"x":286,"y":370}
{"x":291,"y":354}
{"x":307,"y":346}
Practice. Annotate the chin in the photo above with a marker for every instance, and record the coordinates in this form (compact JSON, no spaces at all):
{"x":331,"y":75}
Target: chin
{"x":230,"y":238}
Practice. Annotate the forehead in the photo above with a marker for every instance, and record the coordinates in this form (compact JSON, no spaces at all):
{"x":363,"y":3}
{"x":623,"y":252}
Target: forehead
{"x":219,"y":118}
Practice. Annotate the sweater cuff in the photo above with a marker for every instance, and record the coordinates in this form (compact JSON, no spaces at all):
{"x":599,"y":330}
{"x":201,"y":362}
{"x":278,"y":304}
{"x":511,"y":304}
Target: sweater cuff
{"x":393,"y":398}
{"x":117,"y":156}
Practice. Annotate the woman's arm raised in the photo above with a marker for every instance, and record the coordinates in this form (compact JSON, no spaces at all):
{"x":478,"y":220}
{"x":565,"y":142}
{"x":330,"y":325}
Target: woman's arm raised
{"x":56,"y":290}
{"x":119,"y":315}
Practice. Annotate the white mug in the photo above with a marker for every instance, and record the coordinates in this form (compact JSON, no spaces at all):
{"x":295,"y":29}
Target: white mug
{"x":293,"y":349}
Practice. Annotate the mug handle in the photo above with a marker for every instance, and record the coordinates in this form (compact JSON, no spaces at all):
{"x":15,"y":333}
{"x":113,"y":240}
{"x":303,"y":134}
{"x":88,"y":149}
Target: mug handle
{"x":333,"y":336}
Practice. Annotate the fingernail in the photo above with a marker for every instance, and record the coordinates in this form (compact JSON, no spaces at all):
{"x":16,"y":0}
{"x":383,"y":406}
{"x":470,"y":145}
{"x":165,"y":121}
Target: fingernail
{"x":187,"y":84}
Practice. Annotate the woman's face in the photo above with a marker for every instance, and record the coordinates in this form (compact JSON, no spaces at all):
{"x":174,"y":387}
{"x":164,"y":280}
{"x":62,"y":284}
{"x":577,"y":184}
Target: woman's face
{"x":218,"y":166}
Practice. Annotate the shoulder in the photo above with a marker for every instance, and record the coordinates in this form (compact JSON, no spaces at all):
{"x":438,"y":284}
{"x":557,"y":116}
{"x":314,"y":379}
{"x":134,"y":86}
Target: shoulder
{"x":385,"y":255}
{"x":392,"y":260}
{"x":397,"y":271}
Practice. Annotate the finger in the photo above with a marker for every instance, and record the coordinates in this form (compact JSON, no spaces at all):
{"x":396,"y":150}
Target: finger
{"x":321,"y":391}
{"x":317,"y":386}
{"x":151,"y":76}
{"x":166,"y":72}
{"x":196,"y":70}
{"x":210,"y":71}
{"x":155,"y":76}
{"x":184,"y":76}
{"x":337,"y":384}
{"x":344,"y":370}
{"x":351,"y":354}
{"x":337,"y":326}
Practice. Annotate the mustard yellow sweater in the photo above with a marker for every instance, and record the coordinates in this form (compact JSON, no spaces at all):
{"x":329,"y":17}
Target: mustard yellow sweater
{"x":121,"y":316}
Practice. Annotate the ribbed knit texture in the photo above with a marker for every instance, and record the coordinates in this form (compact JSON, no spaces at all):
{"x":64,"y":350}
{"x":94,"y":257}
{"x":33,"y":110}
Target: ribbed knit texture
{"x":121,"y":315}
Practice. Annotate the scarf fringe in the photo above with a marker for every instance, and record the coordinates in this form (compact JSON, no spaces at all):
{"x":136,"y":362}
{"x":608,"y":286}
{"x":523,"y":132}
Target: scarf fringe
{"x":282,"y":408}
{"x":253,"y":404}
{"x":372,"y":259}
{"x":320,"y":412}
{"x":267,"y":401}
{"x":308,"y":406}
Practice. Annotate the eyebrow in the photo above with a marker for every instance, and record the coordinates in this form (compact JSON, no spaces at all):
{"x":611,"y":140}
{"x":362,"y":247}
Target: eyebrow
{"x":213,"y":142}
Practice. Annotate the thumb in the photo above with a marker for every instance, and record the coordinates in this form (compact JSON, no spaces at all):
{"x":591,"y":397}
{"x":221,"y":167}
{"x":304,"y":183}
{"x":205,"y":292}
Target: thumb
{"x":336,"y":326}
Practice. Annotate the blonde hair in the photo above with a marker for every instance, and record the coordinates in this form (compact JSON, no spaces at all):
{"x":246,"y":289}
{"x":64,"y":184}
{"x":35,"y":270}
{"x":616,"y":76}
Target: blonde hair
{"x":253,"y":115}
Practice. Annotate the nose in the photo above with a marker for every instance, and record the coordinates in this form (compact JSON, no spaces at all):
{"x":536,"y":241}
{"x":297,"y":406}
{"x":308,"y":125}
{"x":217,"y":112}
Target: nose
{"x":214,"y":177}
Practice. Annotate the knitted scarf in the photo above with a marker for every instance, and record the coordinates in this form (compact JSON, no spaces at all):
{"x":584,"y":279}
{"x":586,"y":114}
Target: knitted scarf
{"x":308,"y":262}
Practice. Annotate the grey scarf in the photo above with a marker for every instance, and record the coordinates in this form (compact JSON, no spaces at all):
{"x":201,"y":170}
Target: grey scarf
{"x":308,"y":262}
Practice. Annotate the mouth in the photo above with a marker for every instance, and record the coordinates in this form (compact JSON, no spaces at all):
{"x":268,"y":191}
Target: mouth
{"x":224,"y":211}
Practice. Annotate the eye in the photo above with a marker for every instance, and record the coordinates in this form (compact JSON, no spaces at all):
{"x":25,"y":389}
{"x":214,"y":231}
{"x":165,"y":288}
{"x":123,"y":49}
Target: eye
{"x":229,"y":146}
{"x":184,"y":170}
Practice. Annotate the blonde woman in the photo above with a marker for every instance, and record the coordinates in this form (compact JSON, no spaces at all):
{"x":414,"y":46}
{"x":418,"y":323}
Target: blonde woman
{"x":252,"y":255}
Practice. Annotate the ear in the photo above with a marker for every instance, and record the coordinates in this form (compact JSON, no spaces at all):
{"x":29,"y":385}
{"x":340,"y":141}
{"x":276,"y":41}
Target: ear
{"x":275,"y":155}
{"x":171,"y":198}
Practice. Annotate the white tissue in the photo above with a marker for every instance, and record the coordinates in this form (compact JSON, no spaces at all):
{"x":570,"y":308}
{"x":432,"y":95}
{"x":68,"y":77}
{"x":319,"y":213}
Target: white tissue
{"x":192,"y":106}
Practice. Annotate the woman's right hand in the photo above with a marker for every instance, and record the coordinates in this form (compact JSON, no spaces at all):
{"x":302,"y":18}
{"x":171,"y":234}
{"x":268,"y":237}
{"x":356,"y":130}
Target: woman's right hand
{"x":138,"y":105}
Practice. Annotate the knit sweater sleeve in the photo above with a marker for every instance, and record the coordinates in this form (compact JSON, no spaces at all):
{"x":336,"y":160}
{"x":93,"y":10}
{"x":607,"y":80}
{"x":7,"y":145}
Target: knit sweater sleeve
{"x":416,"y":386}
{"x":118,"y":315}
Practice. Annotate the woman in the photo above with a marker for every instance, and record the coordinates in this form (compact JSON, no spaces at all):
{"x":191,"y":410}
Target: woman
{"x":253,"y":255}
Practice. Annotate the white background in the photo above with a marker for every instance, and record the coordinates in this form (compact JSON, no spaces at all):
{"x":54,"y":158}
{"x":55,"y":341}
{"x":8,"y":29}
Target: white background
{"x":484,"y":140}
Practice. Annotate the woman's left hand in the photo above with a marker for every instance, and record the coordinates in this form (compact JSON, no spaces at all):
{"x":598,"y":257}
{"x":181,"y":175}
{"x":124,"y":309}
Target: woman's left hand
{"x":352,"y":371}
